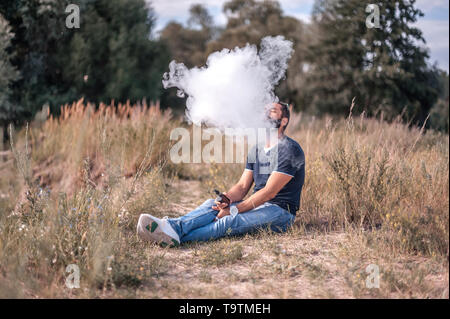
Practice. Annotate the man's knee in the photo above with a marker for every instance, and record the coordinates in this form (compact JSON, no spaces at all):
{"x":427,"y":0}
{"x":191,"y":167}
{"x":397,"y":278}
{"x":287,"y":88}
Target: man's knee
{"x":224,"y":225}
{"x":282,"y":224}
{"x":209,"y":202}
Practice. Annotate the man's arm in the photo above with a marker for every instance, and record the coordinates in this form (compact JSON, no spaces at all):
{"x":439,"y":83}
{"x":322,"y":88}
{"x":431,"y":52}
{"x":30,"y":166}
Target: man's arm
{"x":274,"y":184}
{"x":241,"y":188}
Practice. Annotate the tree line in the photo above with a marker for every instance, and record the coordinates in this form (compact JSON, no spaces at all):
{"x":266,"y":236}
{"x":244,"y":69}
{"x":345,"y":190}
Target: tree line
{"x":116,"y":55}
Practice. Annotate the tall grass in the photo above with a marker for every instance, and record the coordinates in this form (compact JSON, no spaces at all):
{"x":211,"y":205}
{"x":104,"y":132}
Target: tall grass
{"x":370,"y":175}
{"x":85,"y":177}
{"x":80,"y":181}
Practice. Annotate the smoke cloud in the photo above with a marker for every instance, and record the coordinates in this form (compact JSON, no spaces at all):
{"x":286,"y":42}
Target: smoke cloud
{"x":234,"y":87}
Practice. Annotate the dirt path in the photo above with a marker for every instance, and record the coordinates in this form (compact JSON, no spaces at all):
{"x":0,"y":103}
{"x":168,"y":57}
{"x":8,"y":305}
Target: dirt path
{"x":187,"y":195}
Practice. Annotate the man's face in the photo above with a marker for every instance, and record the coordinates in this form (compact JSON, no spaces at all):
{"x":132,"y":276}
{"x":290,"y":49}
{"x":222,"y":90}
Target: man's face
{"x":275,"y":112}
{"x":274,"y":115}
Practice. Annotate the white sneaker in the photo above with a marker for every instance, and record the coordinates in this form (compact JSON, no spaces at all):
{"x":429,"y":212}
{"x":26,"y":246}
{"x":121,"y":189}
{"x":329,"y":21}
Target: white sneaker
{"x":157,"y":230}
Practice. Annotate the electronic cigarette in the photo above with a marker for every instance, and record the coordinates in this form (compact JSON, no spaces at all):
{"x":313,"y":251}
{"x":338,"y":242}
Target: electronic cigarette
{"x":222,"y":198}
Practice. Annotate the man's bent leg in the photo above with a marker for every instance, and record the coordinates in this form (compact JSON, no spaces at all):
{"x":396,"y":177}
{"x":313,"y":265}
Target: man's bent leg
{"x":199,"y":217}
{"x":261,"y":217}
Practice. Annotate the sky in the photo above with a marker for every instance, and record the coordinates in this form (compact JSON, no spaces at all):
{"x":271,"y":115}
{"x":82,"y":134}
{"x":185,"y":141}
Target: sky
{"x":434,"y":24}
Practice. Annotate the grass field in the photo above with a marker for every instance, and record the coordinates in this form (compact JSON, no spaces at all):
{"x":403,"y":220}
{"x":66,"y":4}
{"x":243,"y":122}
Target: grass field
{"x":72,"y":189}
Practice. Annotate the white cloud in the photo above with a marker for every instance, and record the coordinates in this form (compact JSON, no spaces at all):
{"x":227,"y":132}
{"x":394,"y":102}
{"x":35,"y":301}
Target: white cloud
{"x":426,"y":5}
{"x":221,"y":19}
{"x":304,"y":17}
{"x":436,"y":34}
{"x":296,"y":4}
{"x":435,"y":30}
{"x":172,"y":8}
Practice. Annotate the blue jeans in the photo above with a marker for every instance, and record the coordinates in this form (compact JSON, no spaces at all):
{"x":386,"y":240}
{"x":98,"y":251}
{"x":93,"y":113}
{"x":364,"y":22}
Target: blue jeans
{"x":199,"y":224}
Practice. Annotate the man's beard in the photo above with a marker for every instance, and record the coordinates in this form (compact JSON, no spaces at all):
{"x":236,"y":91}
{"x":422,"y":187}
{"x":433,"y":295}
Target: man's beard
{"x":275,"y":122}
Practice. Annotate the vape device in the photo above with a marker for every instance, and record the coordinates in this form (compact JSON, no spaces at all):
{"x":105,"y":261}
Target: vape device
{"x":222,"y":198}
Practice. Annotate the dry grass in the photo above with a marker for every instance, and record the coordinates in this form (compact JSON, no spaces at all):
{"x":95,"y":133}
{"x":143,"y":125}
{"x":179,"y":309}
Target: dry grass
{"x":370,"y":173}
{"x":375,"y":193}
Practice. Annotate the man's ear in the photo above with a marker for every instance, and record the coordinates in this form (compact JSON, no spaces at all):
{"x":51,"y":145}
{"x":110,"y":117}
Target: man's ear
{"x":284,"y":121}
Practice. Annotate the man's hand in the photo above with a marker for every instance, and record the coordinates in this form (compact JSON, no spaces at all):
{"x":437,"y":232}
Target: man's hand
{"x":223,"y":208}
{"x":222,"y":213}
{"x":219,"y":205}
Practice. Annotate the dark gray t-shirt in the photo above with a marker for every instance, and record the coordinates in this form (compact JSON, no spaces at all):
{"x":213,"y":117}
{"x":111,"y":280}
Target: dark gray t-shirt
{"x":286,"y":157}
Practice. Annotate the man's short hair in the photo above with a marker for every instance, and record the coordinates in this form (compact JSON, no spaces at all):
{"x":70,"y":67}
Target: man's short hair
{"x":285,"y":112}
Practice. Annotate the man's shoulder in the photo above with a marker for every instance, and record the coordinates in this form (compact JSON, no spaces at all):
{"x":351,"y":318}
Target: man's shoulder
{"x":292,"y":146}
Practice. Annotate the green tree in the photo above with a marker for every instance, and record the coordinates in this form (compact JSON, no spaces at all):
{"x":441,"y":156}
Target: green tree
{"x":38,"y":28}
{"x":188,"y":45}
{"x":385,"y":68}
{"x":8,"y":74}
{"x":200,"y":17}
{"x":111,"y":56}
{"x":439,"y":115}
{"x":249,"y":21}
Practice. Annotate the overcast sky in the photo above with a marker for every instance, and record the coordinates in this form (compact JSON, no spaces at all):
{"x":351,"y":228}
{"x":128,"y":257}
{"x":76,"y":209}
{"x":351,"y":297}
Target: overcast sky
{"x":434,"y":25}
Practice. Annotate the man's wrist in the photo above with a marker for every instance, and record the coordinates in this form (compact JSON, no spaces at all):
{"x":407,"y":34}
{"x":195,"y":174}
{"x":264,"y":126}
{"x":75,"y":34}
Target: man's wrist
{"x":228,"y":196}
{"x":234,"y":210}
{"x":246,"y":206}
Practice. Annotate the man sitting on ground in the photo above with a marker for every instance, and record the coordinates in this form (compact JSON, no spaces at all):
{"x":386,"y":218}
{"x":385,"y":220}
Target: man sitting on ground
{"x":273,"y":204}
